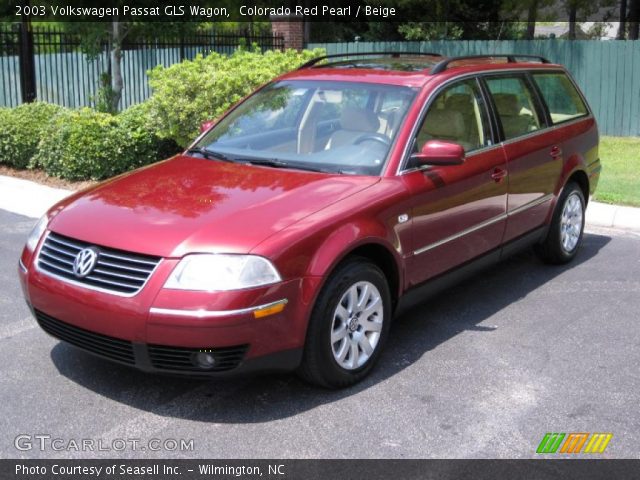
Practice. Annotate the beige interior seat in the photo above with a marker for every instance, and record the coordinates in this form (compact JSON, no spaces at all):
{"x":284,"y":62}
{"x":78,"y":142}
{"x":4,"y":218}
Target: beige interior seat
{"x":463,"y":103}
{"x":354,"y":122}
{"x":513,"y":122}
{"x":388,"y":122}
{"x":308,"y":128}
{"x":443,"y":124}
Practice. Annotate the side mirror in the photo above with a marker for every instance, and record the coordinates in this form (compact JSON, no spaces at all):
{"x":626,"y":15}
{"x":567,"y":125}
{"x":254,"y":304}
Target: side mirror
{"x":437,"y":152}
{"x":206,"y":125}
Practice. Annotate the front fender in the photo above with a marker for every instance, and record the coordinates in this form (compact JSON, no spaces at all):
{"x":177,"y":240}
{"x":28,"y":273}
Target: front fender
{"x":347,"y":240}
{"x":344,"y":241}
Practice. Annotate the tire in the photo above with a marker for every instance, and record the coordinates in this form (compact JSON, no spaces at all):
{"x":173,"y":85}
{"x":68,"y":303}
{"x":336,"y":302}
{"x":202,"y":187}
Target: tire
{"x":566,"y":229}
{"x":345,"y":359}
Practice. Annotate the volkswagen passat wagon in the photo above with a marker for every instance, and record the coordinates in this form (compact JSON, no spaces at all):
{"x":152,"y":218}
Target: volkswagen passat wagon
{"x":290,"y":231}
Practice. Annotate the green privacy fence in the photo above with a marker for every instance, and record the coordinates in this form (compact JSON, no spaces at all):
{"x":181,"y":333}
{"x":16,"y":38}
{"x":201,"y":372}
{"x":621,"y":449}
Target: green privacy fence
{"x":608,"y":72}
{"x":49,"y":64}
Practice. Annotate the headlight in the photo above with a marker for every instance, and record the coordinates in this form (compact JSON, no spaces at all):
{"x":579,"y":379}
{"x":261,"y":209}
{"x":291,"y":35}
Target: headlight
{"x":210,"y":272}
{"x":36,"y":233}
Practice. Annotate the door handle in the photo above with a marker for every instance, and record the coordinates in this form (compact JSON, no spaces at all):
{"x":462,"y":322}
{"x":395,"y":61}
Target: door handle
{"x":498,"y":174}
{"x":555,"y":152}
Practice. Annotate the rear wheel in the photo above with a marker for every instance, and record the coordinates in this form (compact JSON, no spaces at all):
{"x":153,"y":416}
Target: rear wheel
{"x":348,"y":325}
{"x":566,"y":229}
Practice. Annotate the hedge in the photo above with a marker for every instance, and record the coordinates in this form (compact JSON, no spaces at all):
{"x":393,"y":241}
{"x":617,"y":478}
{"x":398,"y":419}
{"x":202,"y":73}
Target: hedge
{"x":85,"y":144}
{"x":21,"y":130}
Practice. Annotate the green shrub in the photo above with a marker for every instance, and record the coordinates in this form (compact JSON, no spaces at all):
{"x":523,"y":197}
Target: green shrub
{"x":85,"y":144}
{"x":138,"y":133}
{"x":21,"y":129}
{"x":189,"y":93}
{"x":81,"y":144}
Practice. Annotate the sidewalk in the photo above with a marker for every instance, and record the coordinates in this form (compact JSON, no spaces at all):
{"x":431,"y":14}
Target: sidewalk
{"x":32,"y":200}
{"x":28,"y":198}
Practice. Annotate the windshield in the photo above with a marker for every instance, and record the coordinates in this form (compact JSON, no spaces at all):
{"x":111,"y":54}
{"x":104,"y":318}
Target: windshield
{"x":342,"y":127}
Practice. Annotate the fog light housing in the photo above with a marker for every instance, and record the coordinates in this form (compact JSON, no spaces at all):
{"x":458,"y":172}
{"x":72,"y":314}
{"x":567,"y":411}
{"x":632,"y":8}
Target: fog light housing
{"x":204,"y":359}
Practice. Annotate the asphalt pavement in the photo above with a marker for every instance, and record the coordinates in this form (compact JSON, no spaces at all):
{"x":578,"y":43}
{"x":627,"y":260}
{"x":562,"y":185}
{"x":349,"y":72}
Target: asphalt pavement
{"x":484,"y":370}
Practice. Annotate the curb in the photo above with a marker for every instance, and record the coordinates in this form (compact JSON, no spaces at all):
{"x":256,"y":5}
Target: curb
{"x":616,"y":216}
{"x":31,"y":199}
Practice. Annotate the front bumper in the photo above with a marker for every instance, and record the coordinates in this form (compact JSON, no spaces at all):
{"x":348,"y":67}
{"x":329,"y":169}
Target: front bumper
{"x":161,"y":330}
{"x":167,"y":359}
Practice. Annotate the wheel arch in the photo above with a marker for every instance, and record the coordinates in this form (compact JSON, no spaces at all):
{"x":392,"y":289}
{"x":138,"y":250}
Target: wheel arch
{"x":374,"y":249}
{"x":576,"y":174}
{"x":582,"y":179}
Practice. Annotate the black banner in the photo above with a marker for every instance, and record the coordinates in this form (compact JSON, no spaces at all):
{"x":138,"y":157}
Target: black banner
{"x":319,"y":469}
{"x":434,"y":11}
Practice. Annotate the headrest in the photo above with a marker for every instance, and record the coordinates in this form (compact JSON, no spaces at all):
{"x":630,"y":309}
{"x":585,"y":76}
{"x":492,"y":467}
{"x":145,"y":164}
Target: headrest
{"x":460,"y":102}
{"x":358,"y":119}
{"x":445,"y":123}
{"x":507,"y":104}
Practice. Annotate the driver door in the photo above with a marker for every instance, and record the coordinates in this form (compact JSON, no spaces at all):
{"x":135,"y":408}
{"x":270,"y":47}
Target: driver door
{"x":459,"y":211}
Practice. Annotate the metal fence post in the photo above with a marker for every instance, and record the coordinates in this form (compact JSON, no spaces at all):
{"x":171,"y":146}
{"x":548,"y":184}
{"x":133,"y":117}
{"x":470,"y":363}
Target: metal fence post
{"x":27,"y":62}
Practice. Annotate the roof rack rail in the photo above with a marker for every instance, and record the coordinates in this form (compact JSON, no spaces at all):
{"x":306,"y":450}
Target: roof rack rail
{"x":511,"y":58}
{"x":313,"y":61}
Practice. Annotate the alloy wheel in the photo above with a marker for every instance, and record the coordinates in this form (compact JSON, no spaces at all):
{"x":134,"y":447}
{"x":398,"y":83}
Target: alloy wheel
{"x":571,"y":222}
{"x":357,"y":325}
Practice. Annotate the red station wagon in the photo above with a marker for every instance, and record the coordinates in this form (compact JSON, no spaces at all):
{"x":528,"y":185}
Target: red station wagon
{"x":293,"y":228}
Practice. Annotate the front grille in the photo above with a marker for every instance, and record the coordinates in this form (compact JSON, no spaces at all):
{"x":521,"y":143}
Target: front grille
{"x":109,"y":347}
{"x":177,"y":358}
{"x":116,"y":271}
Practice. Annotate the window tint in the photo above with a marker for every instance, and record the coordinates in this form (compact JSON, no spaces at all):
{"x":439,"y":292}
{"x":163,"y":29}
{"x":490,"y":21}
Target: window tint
{"x":561,"y":96}
{"x":516,"y":108}
{"x":457,"y":115}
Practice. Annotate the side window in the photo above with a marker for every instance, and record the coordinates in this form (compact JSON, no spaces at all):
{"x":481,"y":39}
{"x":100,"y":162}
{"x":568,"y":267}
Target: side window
{"x":515,"y":103}
{"x":561,"y":96}
{"x":457,"y":115}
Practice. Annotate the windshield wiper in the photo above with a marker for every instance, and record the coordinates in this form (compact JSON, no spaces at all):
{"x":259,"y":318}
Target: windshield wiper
{"x":209,"y":154}
{"x":275,"y":163}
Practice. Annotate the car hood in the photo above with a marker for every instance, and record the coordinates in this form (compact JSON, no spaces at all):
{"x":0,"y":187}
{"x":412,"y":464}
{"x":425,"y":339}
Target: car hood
{"x":187,"y":204}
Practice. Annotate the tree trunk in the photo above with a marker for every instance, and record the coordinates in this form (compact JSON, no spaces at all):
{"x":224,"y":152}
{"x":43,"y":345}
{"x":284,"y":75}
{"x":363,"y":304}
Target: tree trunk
{"x":116,"y":64}
{"x":531,"y":20}
{"x":573,"y":13}
{"x":634,"y":19}
{"x":622,"y":26}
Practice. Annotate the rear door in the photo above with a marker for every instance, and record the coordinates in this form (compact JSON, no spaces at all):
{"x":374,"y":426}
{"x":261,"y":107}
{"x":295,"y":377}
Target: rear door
{"x":533,"y":151}
{"x":458,"y":211}
{"x":570,"y":117}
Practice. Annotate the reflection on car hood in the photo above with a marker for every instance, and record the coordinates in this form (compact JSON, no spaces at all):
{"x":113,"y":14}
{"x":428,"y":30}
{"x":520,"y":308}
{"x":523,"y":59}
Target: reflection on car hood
{"x":187,"y":204}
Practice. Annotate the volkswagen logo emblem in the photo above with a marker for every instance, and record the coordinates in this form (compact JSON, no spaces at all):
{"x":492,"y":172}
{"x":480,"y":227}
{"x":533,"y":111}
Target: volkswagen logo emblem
{"x":85,"y":262}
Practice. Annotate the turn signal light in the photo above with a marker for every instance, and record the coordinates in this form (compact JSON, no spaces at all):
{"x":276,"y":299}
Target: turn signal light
{"x":272,"y":309}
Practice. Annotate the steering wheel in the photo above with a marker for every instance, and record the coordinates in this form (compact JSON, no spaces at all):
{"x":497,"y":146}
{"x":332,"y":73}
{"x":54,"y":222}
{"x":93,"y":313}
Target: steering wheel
{"x":376,"y":137}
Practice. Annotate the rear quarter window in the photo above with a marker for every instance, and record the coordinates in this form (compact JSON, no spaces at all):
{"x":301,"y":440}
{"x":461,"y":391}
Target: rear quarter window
{"x":561,"y":96}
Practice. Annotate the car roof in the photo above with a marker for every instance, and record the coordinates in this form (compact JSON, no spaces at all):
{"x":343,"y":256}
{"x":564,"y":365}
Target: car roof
{"x":409,"y":69}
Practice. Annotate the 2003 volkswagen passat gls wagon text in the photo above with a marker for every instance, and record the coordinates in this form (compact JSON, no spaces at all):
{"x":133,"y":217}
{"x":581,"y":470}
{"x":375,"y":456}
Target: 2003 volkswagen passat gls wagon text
{"x":288,"y":234}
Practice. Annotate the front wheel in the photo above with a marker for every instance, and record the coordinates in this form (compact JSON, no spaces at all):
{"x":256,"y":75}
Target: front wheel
{"x":566,"y":229}
{"x":348,"y":326}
